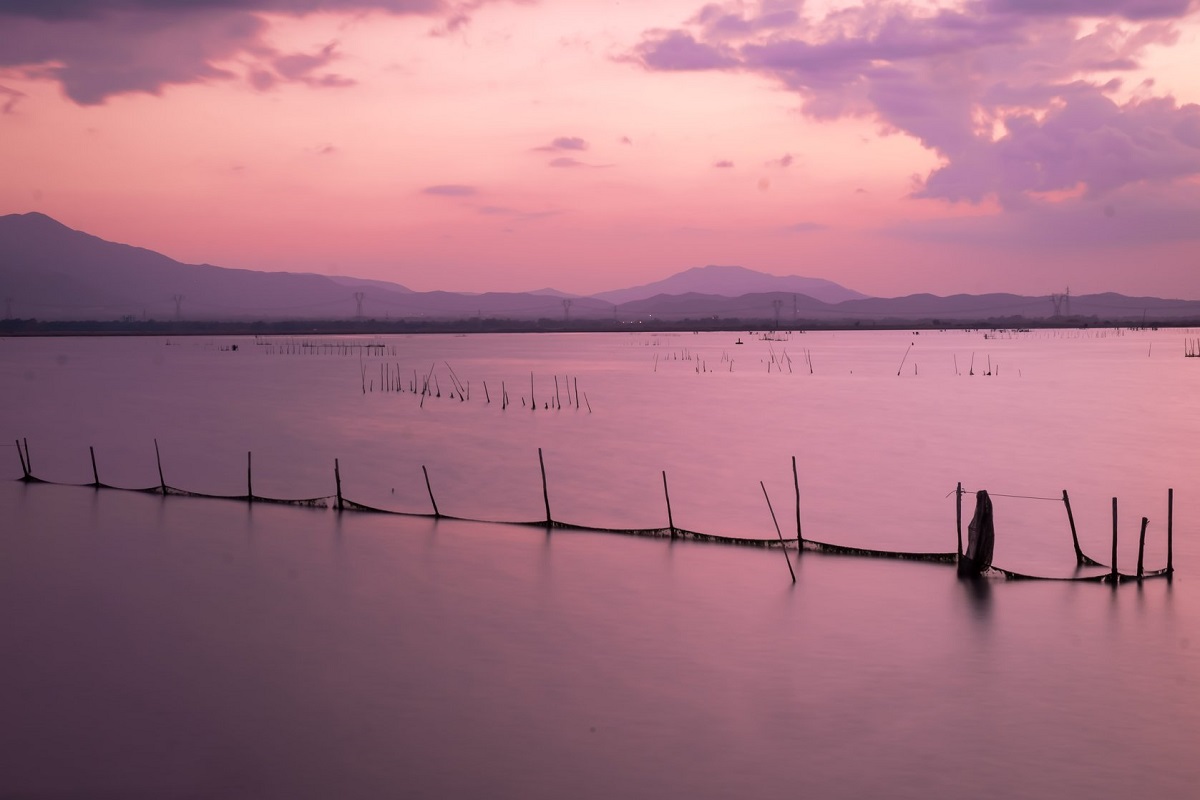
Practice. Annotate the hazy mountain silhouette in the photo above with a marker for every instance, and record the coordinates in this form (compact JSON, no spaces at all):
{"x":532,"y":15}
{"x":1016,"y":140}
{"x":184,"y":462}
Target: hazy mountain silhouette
{"x":51,"y":272}
{"x":732,"y":282}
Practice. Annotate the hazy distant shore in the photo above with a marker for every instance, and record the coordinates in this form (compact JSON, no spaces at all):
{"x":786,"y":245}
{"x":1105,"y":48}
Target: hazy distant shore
{"x":329,"y":327}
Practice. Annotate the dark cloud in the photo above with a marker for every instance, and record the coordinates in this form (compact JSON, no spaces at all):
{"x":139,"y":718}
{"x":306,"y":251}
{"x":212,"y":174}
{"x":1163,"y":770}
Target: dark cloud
{"x":564,"y":143}
{"x":1000,"y":93}
{"x":723,"y":164}
{"x":450,"y":190}
{"x":97,"y":49}
{"x":1129,"y":9}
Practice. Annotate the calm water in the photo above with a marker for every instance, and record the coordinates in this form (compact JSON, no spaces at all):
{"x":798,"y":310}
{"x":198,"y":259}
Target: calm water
{"x":185,"y":647}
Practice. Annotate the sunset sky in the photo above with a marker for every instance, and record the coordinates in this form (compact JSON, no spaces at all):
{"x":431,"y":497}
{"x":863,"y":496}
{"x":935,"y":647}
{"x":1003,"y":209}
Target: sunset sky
{"x":586,"y":145}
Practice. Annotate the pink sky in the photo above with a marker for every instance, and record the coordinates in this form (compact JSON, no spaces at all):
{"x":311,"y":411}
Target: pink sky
{"x":989,"y":145}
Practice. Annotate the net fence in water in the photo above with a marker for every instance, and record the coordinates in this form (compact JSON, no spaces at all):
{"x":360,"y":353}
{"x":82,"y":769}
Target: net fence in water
{"x":973,"y":563}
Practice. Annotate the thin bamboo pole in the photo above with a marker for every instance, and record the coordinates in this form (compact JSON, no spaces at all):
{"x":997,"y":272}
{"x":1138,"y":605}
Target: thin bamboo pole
{"x":1142,"y":546}
{"x":1170,"y":529}
{"x":1115,"y":574}
{"x":778,"y":532}
{"x":24,"y":467}
{"x":337,"y":479}
{"x":958,"y":515}
{"x":545,"y":491}
{"x":162,"y":484}
{"x":437,"y":514}
{"x":796,"y":484}
{"x":1080,"y":558}
{"x":670,"y":519}
{"x":95,"y":475}
{"x":249,"y":480}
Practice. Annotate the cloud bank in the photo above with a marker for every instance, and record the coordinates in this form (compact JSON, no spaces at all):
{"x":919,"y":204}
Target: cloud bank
{"x":1020,"y":98}
{"x":97,"y":49}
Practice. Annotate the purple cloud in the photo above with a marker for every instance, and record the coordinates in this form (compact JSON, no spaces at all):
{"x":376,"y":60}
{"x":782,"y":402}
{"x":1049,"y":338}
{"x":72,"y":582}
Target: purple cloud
{"x":723,"y":164}
{"x":677,"y":50}
{"x":450,"y":190}
{"x":1003,"y":96}
{"x":563,"y":143}
{"x":567,"y":163}
{"x":97,"y":49}
{"x":783,"y":162}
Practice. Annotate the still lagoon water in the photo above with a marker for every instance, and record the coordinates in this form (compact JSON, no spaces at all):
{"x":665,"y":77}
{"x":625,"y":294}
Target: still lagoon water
{"x":186,"y":647}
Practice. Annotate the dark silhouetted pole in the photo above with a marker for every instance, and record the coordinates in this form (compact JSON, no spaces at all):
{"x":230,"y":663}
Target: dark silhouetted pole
{"x":1079,"y":557}
{"x":1170,"y":528}
{"x":958,"y":515}
{"x":796,"y":484}
{"x":1142,"y":546}
{"x":249,"y":482}
{"x":545,"y":491}
{"x":670,"y":519}
{"x":778,"y":532}
{"x":95,"y":475}
{"x":158,"y":460}
{"x":1115,"y":577}
{"x":429,"y":489}
{"x":337,"y":479}
{"x":24,"y":466}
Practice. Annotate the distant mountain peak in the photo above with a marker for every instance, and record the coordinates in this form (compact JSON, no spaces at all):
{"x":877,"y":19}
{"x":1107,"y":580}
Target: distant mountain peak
{"x":732,"y":281}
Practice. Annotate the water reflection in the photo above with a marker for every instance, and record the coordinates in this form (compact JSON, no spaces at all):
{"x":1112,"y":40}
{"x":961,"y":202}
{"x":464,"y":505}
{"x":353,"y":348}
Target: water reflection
{"x":978,"y":591}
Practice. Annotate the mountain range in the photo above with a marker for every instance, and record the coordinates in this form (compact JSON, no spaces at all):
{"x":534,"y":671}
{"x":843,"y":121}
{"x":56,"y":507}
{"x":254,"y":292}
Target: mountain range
{"x":51,"y":272}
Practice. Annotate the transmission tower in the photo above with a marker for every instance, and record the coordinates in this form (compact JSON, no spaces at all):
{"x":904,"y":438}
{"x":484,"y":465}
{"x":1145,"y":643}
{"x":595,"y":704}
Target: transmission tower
{"x":566,"y":303}
{"x":778,"y":305}
{"x":358,"y":299}
{"x":178,"y":298}
{"x":1062,"y":302}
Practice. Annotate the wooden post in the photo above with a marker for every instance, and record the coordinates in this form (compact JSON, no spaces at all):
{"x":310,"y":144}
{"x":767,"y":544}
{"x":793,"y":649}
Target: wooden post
{"x":1115,"y":575}
{"x":158,"y":459}
{"x":796,"y":484}
{"x":670,"y":519}
{"x":1142,"y":546}
{"x":337,"y":478}
{"x":958,"y":515}
{"x":28,"y":460}
{"x":545,"y":491}
{"x":428,"y":488}
{"x":1170,"y":526}
{"x":95,"y":475}
{"x":779,"y":533}
{"x":1080,"y":559}
{"x":249,"y":482}
{"x":24,"y":468}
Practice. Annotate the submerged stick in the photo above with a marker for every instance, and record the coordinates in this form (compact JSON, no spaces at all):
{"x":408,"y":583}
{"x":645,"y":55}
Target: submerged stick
{"x":670,"y":519}
{"x":337,"y":478}
{"x":791,"y":571}
{"x":958,"y":515}
{"x":1170,"y":526}
{"x":249,"y":480}
{"x":545,"y":491}
{"x":95,"y":475}
{"x":1142,"y":546}
{"x":429,"y":489}
{"x":1080,"y":558}
{"x":903,"y":359}
{"x":158,"y":459}
{"x":20,"y":455}
{"x":796,"y":483}
{"x":1115,"y":576}
{"x":28,"y":460}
